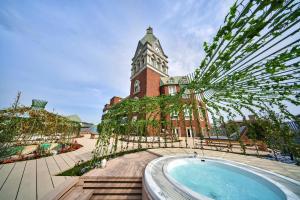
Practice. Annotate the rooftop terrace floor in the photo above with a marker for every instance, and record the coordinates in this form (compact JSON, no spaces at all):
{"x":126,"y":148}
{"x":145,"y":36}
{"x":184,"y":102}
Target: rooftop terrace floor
{"x":35,"y":178}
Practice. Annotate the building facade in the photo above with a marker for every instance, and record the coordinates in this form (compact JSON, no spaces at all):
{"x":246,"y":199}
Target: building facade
{"x":149,"y":77}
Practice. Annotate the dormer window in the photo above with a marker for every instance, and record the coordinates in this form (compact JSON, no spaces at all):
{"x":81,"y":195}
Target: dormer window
{"x":186,"y":94}
{"x":136,"y":88}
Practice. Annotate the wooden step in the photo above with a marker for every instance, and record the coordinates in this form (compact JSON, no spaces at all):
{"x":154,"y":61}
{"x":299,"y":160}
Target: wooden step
{"x":77,"y":193}
{"x":117,"y":191}
{"x":110,"y":177}
{"x":112,"y":181}
{"x":116,"y":197}
{"x":86,"y":195}
{"x":110,"y":185}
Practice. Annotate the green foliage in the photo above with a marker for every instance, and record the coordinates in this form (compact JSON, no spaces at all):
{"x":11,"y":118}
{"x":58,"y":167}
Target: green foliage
{"x":257,"y":129}
{"x":252,"y":65}
{"x":231,"y":127}
{"x":22,"y":125}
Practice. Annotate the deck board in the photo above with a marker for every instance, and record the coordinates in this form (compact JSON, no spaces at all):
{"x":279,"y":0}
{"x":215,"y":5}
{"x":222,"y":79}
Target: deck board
{"x":52,"y":165}
{"x":5,"y":171}
{"x":10,"y":189}
{"x":44,"y":181}
{"x":80,"y":155}
{"x":73,"y":157}
{"x":38,"y":174}
{"x":130,"y":165}
{"x":28,"y":185}
{"x":57,"y":180}
{"x":61,"y":163}
{"x":67,"y":159}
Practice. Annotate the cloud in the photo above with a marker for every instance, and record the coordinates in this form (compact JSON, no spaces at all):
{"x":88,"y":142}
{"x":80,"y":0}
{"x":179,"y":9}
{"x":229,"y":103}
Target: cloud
{"x":187,"y":25}
{"x":78,"y":55}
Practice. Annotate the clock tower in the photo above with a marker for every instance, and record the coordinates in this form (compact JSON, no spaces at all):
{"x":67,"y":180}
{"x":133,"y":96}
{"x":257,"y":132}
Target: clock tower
{"x":149,"y":64}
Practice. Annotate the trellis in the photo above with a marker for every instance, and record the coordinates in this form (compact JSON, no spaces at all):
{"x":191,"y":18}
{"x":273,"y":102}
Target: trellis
{"x":24,"y":125}
{"x":251,"y":65}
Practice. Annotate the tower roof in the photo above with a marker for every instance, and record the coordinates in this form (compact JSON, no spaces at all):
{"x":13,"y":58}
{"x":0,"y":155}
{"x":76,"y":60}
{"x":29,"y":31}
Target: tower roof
{"x":149,"y":37}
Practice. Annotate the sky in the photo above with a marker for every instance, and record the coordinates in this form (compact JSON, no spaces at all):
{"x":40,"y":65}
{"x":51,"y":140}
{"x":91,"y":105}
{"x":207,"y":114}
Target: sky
{"x":77,"y":54}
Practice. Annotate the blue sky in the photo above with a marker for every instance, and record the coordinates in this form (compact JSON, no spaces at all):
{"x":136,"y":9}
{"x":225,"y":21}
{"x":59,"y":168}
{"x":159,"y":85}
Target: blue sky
{"x":77,"y":54}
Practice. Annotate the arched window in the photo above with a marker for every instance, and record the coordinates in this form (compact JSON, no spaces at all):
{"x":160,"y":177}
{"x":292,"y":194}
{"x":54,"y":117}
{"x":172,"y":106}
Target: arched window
{"x":152,"y":62}
{"x":165,"y":70}
{"x":136,"y":88}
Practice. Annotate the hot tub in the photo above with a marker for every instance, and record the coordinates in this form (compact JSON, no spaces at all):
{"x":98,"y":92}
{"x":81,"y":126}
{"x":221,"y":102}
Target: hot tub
{"x":185,"y":177}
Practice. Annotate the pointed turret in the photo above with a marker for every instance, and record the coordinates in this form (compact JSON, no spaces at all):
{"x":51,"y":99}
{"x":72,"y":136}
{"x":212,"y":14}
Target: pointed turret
{"x":149,"y":53}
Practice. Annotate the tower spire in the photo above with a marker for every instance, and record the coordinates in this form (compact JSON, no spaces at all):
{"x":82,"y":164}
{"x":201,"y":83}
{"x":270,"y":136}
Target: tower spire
{"x":149,"y":30}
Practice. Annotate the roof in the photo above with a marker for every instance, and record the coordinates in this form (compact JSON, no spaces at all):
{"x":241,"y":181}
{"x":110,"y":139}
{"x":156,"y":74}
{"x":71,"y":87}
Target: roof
{"x":38,"y":104}
{"x":74,"y":118}
{"x":174,"y":80}
{"x":151,"y":39}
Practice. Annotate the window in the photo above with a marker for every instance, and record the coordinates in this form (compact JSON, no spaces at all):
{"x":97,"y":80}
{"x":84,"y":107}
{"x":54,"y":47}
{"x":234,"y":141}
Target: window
{"x":176,"y":131}
{"x":141,"y":64}
{"x":159,"y":66}
{"x":189,"y":132}
{"x":165,"y":70}
{"x":154,"y":64}
{"x":134,"y":118}
{"x":172,"y":90}
{"x":186,"y":94}
{"x":174,"y":115}
{"x":123,"y":120}
{"x":187,"y":113}
{"x":136,"y":88}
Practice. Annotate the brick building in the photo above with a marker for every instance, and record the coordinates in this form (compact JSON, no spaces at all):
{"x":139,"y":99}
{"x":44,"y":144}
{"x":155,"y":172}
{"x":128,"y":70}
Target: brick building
{"x":149,"y":77}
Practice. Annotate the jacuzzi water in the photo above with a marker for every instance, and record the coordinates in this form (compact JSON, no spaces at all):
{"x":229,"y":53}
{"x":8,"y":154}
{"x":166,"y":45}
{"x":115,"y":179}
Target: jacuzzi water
{"x":220,"y":181}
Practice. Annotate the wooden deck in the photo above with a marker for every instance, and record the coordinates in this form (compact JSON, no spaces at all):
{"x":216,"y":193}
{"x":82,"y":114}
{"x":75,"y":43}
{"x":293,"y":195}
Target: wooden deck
{"x":120,"y":179}
{"x":130,"y":165}
{"x":32,"y":179}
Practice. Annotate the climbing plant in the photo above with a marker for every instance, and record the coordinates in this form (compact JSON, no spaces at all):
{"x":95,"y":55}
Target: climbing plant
{"x":21,"y":125}
{"x":250,"y":66}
